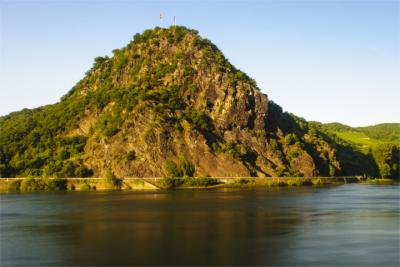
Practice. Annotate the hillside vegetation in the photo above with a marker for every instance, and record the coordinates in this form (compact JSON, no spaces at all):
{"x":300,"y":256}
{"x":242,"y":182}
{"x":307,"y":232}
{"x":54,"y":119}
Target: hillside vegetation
{"x":170,"y":104}
{"x":382,"y":141}
{"x":368,"y":136}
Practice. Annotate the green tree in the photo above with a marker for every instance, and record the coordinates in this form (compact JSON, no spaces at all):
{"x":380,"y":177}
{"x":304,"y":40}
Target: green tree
{"x":385,"y":171}
{"x":387,"y":158}
{"x":131,"y":155}
{"x":332,"y":170}
{"x":111,"y":180}
{"x":184,"y":169}
{"x":172,"y":169}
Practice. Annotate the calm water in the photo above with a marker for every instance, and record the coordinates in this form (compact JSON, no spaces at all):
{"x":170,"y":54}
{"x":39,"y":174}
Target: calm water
{"x":349,"y":225}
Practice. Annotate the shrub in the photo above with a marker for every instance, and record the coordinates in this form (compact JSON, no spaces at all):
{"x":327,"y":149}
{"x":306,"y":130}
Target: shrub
{"x":169,"y":183}
{"x":332,"y":170}
{"x":187,"y":168}
{"x":232,"y":150}
{"x":215,"y":147}
{"x":68,"y":169}
{"x":385,"y":171}
{"x":108,"y":124}
{"x":85,"y":186}
{"x":82,"y":171}
{"x":299,"y":182}
{"x":136,"y":37}
{"x":131,"y":155}
{"x":98,"y":61}
{"x":295,"y":152}
{"x":242,"y":181}
{"x":111,"y":180}
{"x":290,"y":139}
{"x":184,"y":169}
{"x":274,"y":145}
{"x":57,"y":184}
{"x":281,"y":171}
{"x":284,"y":172}
{"x":198,"y":119}
{"x":201,"y":181}
{"x":14,"y":185}
{"x":42,"y":184}
{"x":33,"y":184}
{"x":172,"y":169}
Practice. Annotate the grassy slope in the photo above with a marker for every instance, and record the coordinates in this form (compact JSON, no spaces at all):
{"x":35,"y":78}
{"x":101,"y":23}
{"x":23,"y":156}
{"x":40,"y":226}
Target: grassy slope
{"x":389,"y":132}
{"x":359,"y":138}
{"x":367,"y":137}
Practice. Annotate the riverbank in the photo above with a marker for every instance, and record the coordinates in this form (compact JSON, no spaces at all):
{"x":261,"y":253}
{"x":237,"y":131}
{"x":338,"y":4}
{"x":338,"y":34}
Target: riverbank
{"x":72,"y":184}
{"x":139,"y":184}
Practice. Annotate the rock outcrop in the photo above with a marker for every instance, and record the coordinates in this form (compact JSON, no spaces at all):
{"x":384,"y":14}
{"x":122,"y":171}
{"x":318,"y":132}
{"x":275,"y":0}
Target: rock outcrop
{"x":168,"y":95}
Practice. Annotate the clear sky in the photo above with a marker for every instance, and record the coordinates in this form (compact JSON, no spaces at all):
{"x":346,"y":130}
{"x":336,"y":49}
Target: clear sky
{"x":323,"y":60}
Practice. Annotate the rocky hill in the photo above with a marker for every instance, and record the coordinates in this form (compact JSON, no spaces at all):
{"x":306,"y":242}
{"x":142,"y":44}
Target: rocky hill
{"x":170,"y":103}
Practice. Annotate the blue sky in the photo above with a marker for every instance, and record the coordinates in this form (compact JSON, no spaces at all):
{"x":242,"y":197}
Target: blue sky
{"x":322,"y":60}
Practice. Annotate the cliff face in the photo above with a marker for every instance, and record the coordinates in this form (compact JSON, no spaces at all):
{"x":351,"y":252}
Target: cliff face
{"x":168,"y":95}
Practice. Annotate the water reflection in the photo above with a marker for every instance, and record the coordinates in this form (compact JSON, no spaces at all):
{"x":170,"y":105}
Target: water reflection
{"x":347,"y":225}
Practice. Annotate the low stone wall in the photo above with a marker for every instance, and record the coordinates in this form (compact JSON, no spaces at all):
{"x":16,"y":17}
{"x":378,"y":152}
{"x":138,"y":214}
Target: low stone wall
{"x":84,"y":184}
{"x":153,"y":183}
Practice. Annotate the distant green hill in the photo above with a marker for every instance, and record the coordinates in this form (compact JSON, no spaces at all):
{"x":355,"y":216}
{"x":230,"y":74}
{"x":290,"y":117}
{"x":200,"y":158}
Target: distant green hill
{"x":367,"y":137}
{"x":382,"y":141}
{"x":388,"y":132}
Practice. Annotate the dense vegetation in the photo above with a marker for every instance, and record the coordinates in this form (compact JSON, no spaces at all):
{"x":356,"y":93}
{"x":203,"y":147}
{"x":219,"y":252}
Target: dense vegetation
{"x":380,"y":142}
{"x":33,"y":143}
{"x":38,"y":184}
{"x":369,"y":136}
{"x":174,"y":182}
{"x":385,"y":132}
{"x":183,"y":169}
{"x":387,"y":157}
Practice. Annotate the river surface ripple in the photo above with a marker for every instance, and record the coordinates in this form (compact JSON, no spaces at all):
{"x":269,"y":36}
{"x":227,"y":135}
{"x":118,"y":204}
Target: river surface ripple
{"x":348,"y":225}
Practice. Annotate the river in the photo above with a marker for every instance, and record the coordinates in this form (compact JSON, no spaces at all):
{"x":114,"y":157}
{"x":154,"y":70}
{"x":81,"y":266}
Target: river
{"x":348,"y":225}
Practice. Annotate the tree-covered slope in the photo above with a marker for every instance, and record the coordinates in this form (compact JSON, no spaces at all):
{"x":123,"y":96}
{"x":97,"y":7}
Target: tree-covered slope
{"x":382,"y":141}
{"x":170,"y":103}
{"x":386,"y":132}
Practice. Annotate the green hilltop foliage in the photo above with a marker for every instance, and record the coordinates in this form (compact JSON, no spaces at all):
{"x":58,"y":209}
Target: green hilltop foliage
{"x":370,"y":135}
{"x":386,"y":132}
{"x":139,"y":80}
{"x":31,"y":144}
{"x":382,"y":141}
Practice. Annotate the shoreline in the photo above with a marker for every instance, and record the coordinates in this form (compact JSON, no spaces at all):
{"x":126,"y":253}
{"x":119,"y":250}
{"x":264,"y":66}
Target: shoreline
{"x":146,"y":184}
